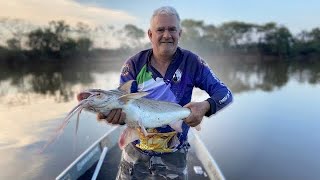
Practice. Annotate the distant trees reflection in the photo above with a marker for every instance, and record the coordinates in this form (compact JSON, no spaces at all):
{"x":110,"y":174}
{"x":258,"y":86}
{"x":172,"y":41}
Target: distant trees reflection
{"x":265,"y":76}
{"x":47,"y":79}
{"x":58,"y":81}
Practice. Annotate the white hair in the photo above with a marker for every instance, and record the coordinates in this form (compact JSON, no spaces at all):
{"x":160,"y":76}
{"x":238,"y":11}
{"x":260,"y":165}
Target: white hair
{"x":167,"y":10}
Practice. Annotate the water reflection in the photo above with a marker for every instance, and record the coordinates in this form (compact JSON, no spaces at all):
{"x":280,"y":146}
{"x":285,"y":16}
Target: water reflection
{"x":34,"y":99}
{"x":32,"y":107}
{"x":57,"y":80}
{"x":241,"y":77}
{"x":52,"y":79}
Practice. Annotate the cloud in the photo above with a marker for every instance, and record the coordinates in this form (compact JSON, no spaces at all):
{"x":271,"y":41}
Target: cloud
{"x":40,"y":12}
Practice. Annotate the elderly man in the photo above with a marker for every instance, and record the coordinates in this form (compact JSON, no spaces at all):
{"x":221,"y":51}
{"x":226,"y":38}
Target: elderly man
{"x":168,"y":73}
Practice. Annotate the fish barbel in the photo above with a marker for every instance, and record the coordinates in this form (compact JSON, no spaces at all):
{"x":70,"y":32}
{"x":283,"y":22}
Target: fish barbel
{"x":140,"y":112}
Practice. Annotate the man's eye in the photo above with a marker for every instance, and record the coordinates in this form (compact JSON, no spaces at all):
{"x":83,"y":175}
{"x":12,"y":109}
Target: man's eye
{"x":172,"y":30}
{"x":160,"y":30}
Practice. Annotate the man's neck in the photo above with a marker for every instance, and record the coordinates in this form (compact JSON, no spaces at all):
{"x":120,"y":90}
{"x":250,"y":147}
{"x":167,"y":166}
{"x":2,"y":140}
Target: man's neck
{"x":161,"y":63}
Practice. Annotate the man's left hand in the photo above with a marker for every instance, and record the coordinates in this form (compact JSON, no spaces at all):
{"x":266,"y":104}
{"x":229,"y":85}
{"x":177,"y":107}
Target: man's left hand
{"x":198,"y":110}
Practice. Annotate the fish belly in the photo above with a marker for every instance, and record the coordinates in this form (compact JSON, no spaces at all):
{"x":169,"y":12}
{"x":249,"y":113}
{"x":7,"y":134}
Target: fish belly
{"x":152,"y":118}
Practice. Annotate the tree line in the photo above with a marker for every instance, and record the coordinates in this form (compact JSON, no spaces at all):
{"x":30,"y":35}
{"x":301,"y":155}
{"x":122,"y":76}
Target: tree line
{"x":237,"y":37}
{"x":59,"y":40}
{"x":56,"y":41}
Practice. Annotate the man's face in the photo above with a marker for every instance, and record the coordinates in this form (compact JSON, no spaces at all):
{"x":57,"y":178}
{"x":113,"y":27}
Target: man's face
{"x":164,"y":35}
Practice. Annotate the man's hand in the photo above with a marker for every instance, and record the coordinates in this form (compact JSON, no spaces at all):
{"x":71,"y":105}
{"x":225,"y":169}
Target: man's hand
{"x":116,"y":116}
{"x":198,"y":110}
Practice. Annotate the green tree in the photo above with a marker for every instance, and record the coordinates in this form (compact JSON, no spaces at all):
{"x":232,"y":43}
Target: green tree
{"x":42,"y":41}
{"x":134,"y":35}
{"x":315,"y":34}
{"x":315,"y":39}
{"x":235,"y":33}
{"x":192,"y":33}
{"x":276,"y":40}
{"x":53,"y":41}
{"x":14,"y":44}
{"x":84,"y":45}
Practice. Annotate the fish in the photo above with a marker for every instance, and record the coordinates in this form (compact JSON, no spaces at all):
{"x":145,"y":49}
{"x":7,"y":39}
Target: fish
{"x":141,"y":112}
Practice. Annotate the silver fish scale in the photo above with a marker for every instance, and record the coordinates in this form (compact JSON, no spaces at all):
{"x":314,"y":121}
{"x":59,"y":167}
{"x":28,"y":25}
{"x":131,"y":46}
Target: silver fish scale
{"x":142,"y":111}
{"x":152,"y":114}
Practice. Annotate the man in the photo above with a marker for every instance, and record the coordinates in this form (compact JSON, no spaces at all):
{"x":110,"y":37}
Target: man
{"x":168,"y":73}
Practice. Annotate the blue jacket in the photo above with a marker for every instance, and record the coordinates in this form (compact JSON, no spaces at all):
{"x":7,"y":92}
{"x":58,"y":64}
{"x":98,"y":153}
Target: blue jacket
{"x":186,"y":71}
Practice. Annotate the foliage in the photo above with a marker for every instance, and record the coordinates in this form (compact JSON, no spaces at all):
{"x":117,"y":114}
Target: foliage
{"x":59,"y":40}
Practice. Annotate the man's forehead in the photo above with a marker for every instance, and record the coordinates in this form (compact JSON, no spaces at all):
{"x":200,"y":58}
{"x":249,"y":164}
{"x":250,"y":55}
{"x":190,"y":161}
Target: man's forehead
{"x":164,"y":20}
{"x":166,"y":17}
{"x":165,"y":26}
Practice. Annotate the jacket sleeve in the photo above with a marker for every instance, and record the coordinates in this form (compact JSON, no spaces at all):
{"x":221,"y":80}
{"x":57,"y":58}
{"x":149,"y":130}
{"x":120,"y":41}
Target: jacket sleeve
{"x":128,"y":73}
{"x":220,"y":95}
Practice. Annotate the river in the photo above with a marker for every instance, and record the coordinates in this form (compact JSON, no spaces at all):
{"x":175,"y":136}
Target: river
{"x":270,"y":131}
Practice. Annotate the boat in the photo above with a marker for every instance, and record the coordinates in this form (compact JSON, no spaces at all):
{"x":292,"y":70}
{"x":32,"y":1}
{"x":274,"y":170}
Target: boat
{"x":101,"y":160}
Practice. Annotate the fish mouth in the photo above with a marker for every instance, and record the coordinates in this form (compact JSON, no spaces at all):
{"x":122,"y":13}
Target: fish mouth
{"x":83,"y":95}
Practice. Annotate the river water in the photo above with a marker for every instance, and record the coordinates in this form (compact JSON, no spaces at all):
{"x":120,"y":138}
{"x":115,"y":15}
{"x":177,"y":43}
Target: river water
{"x":270,"y":131}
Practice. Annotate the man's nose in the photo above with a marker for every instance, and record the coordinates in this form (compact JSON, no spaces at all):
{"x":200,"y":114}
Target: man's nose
{"x":166,"y":34}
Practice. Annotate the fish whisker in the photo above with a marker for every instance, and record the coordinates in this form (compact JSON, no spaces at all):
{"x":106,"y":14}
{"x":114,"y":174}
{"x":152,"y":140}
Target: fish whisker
{"x":66,"y":120}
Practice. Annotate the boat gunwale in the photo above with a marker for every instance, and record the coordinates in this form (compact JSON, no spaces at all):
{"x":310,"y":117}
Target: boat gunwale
{"x":197,"y":146}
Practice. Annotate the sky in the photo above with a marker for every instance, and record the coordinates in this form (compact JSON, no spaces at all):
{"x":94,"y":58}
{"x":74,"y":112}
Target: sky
{"x":297,"y":15}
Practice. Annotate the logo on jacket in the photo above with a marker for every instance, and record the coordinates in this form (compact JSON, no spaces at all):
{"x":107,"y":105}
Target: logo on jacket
{"x":125,"y":70}
{"x":177,"y":76}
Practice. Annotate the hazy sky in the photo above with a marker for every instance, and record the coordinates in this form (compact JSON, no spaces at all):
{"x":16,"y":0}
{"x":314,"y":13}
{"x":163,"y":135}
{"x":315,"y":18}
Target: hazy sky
{"x":295,"y":14}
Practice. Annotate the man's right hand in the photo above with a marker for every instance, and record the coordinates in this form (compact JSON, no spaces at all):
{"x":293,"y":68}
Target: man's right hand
{"x":116,"y":116}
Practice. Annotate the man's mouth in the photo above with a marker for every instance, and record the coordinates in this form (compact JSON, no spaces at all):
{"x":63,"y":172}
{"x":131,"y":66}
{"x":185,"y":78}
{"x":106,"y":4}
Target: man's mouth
{"x":167,"y":42}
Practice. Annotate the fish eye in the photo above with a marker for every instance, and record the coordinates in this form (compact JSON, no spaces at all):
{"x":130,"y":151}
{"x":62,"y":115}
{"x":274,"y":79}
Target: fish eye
{"x":99,"y":95}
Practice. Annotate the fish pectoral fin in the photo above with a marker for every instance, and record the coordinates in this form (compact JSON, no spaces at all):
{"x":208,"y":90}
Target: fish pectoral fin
{"x":176,"y":125}
{"x":143,"y":129}
{"x":126,"y":98}
{"x":128,"y":135}
{"x":126,"y":87}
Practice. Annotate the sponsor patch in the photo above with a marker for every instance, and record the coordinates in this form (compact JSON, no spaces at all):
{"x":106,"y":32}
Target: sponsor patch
{"x":125,"y":70}
{"x":177,"y":76}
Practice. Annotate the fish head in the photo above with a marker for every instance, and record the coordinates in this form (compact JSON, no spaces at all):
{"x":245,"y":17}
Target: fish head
{"x":98,"y":100}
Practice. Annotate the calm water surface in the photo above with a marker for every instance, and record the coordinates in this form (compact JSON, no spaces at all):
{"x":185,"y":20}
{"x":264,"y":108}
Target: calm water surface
{"x":270,"y":131}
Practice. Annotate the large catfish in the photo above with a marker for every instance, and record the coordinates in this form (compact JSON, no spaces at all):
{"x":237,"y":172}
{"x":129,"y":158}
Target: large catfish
{"x":140,"y":112}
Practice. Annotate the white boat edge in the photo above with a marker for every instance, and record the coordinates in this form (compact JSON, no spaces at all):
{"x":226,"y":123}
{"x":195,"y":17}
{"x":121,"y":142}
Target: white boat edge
{"x":91,"y":155}
{"x":204,"y":156}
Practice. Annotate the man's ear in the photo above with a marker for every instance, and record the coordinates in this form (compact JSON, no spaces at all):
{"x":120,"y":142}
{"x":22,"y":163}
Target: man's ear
{"x":149,"y":34}
{"x":180,"y":32}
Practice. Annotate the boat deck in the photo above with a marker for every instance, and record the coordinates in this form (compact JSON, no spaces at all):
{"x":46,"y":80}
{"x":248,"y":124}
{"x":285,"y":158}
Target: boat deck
{"x":111,"y":162}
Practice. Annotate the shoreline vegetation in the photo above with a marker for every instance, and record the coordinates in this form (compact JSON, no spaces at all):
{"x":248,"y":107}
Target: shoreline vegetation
{"x":51,"y":60}
{"x":59,"y":42}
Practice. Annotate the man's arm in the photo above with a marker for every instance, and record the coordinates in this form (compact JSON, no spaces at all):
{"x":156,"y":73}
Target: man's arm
{"x":220,"y":95}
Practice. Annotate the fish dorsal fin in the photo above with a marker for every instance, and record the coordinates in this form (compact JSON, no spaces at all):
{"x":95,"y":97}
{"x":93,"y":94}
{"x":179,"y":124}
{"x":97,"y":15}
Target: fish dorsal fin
{"x":126,"y":87}
{"x":125,"y":98}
